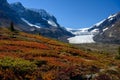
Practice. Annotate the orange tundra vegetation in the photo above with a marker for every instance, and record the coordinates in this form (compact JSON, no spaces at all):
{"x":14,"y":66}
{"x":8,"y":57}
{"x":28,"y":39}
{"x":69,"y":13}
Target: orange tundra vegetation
{"x":33,"y":57}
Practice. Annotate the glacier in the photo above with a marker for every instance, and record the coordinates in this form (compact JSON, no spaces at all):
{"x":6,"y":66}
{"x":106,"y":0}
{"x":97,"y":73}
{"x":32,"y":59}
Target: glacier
{"x":81,"y":36}
{"x":81,"y":39}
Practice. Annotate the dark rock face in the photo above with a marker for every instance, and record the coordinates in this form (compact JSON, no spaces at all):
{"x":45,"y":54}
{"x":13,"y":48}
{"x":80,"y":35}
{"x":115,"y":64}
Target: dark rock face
{"x":27,"y":19}
{"x":111,"y":35}
{"x":108,"y":22}
{"x":3,"y":2}
{"x":38,"y":17}
{"x":109,"y":30}
{"x":8,"y":15}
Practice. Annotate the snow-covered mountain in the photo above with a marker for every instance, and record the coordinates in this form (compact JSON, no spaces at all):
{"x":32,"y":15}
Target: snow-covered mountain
{"x":105,"y":23}
{"x":77,"y":32}
{"x":37,"y":21}
{"x":107,"y":30}
{"x":110,"y":35}
{"x":38,"y":17}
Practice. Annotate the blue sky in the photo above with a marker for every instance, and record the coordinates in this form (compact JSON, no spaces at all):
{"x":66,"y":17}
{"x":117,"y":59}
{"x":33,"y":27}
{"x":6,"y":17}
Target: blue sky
{"x":75,"y":13}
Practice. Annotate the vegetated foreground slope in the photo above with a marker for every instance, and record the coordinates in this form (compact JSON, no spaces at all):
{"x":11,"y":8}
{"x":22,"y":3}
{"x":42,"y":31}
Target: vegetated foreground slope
{"x":33,"y":57}
{"x":100,"y":48}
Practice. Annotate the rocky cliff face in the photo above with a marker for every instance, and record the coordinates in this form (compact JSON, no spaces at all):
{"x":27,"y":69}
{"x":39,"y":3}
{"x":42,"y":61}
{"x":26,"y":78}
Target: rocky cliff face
{"x":31,"y":20}
{"x":106,"y":23}
{"x":110,"y":35}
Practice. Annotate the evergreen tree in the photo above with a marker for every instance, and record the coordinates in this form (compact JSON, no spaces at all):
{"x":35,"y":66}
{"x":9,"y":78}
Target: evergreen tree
{"x":118,"y":56}
{"x":119,"y":50}
{"x":12,"y":26}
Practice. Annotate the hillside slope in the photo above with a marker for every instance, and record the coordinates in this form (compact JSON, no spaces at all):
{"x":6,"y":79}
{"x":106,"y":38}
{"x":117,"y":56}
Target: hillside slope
{"x":33,"y":57}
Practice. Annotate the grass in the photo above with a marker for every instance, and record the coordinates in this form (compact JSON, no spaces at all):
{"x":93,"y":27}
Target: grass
{"x":101,"y":48}
{"x":34,"y":57}
{"x":17,"y":64}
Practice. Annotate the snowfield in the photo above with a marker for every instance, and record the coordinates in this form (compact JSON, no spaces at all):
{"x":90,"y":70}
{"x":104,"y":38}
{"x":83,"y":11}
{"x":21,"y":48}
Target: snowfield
{"x":52,"y":23}
{"x":81,"y":36}
{"x":30,"y":24}
{"x":81,"y":39}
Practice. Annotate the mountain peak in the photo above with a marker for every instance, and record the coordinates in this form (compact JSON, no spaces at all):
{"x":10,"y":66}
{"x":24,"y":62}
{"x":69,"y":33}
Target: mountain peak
{"x":107,"y":22}
{"x":42,"y":12}
{"x":25,"y":19}
{"x":17,"y":5}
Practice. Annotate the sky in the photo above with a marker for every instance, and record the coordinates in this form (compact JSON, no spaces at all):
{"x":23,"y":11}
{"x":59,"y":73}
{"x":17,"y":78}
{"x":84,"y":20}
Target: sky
{"x":75,"y":13}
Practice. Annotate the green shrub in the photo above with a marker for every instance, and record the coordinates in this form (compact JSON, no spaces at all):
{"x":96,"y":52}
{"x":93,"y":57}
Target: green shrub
{"x":19,"y":65}
{"x":40,"y":62}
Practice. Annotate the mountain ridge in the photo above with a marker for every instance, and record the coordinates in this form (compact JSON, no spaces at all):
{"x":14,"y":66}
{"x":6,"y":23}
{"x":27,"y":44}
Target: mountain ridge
{"x":31,"y":21}
{"x":109,"y":21}
{"x":106,"y":31}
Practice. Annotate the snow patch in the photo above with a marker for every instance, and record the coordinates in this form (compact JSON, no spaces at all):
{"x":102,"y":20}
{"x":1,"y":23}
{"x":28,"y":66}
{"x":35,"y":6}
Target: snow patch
{"x":94,"y":31}
{"x":52,"y":23}
{"x":69,"y":29}
{"x":105,"y":29}
{"x":82,"y":31}
{"x":111,"y":19}
{"x":113,"y":25}
{"x":30,"y":23}
{"x":81,"y":39}
{"x":111,"y":16}
{"x":99,"y":23}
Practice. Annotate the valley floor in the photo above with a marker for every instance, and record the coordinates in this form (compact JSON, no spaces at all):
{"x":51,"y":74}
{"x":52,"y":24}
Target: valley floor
{"x":102,"y":48}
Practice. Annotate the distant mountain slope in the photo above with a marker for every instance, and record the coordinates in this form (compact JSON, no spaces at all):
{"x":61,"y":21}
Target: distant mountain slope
{"x":77,"y":32}
{"x":37,"y":17}
{"x":106,"y":23}
{"x":31,"y":20}
{"x":110,"y":35}
{"x":8,"y":15}
{"x":108,"y":29}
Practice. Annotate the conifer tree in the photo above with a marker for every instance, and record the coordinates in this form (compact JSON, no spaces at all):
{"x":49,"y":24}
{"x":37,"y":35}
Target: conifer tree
{"x":119,"y":50}
{"x":12,"y":26}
